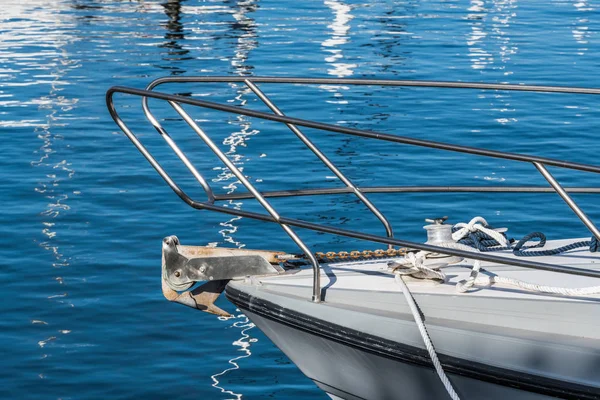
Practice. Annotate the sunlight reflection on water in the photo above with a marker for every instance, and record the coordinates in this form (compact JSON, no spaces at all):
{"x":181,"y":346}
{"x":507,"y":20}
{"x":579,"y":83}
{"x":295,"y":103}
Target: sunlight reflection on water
{"x":85,"y":213}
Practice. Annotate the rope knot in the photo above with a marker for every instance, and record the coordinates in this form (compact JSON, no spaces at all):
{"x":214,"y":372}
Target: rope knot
{"x":477,"y":224}
{"x":468,"y":285}
{"x":412,"y":265}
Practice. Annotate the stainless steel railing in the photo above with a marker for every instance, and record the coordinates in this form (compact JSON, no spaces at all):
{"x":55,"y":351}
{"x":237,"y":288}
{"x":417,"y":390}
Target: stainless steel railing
{"x":292,"y":123}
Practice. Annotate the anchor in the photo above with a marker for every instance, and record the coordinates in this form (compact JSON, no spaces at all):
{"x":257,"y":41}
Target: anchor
{"x":185,"y":266}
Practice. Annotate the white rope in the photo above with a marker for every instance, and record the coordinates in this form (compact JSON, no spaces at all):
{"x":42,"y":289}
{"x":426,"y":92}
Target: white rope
{"x":412,"y":265}
{"x":476,"y":225}
{"x":426,"y":339}
{"x":475,"y":280}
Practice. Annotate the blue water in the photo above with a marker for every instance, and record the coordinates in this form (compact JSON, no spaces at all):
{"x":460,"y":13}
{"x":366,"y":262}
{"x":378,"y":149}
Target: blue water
{"x":83,"y":213}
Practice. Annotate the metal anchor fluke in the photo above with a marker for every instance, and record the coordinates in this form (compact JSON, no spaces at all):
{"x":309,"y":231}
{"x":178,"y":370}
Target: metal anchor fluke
{"x":216,"y":266}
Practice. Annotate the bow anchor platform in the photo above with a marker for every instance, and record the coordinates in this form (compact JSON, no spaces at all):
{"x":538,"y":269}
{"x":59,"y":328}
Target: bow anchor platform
{"x":184,"y":266}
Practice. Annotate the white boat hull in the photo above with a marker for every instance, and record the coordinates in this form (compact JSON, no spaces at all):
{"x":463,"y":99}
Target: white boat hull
{"x":495,"y":343}
{"x":350,"y":373}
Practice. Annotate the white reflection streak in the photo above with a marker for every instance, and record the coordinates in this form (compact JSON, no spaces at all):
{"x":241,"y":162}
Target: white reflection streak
{"x":493,"y":51}
{"x":246,"y":42}
{"x":483,"y":56}
{"x":55,"y":104}
{"x":581,"y":32}
{"x":340,"y":28}
{"x":500,"y":14}
{"x":479,"y":57}
{"x":247,"y":38}
{"x":244,"y":343}
{"x":33,"y":53}
{"x":503,"y":13}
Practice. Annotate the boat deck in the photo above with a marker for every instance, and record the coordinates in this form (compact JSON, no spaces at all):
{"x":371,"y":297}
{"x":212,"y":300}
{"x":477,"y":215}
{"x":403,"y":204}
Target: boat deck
{"x":544,"y":335}
{"x":374,"y":276}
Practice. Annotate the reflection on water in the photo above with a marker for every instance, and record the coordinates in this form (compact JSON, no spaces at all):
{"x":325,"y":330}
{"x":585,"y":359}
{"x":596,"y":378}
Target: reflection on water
{"x":581,"y":32}
{"x":491,"y":47}
{"x":174,"y":25}
{"x":478,"y":56}
{"x":111,"y":337}
{"x":490,"y":50}
{"x":244,"y":343}
{"x":333,"y":45}
{"x":33,"y":53}
{"x":392,"y":34}
{"x":56,"y":169}
{"x":489,"y":40}
{"x":174,"y":36}
{"x":504,"y":12}
{"x":340,"y":28}
{"x":244,"y":30}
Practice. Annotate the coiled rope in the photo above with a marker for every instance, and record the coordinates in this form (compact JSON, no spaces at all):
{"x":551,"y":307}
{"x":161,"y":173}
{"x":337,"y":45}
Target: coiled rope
{"x":519,"y":249}
{"x":478,"y":234}
{"x":476,"y":279}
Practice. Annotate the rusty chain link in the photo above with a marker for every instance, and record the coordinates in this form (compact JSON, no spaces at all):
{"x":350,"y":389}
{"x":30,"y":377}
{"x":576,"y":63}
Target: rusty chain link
{"x":356,"y":254}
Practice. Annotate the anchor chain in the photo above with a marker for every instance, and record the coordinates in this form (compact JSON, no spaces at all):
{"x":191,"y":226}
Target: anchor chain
{"x":297,"y":260}
{"x":359,"y":255}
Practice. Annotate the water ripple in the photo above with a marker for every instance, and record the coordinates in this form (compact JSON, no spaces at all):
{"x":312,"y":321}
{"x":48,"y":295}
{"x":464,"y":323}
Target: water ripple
{"x":83,"y":214}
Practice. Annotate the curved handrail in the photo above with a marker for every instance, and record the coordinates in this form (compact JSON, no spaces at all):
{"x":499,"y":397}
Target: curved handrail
{"x":357,"y":132}
{"x":175,"y":101}
{"x":307,"y":142}
{"x":374,"y":82}
{"x":336,"y":231}
{"x":409,"y":189}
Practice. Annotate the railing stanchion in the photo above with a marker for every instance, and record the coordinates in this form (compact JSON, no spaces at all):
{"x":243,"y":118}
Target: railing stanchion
{"x":316,"y":296}
{"x":163,"y":133}
{"x":570,"y":202}
{"x":324,"y":160}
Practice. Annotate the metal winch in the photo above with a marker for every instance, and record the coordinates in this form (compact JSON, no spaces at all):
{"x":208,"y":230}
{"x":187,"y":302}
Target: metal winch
{"x":438,"y":232}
